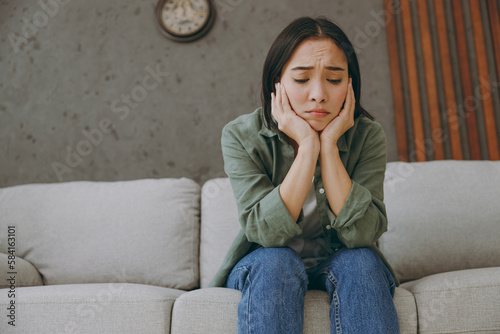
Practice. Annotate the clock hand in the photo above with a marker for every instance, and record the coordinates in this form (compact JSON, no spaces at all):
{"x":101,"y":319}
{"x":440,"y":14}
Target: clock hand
{"x":179,"y":12}
{"x":188,"y":9}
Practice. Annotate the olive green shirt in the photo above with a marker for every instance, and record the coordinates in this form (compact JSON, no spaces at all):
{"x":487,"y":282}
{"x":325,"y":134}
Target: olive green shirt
{"x":257,"y":159}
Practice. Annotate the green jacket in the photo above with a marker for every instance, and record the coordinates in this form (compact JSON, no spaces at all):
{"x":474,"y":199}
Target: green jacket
{"x":257,"y":160}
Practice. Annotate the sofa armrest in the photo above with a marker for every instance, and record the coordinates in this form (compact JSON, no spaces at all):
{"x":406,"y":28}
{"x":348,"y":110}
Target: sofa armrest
{"x":26,"y":273}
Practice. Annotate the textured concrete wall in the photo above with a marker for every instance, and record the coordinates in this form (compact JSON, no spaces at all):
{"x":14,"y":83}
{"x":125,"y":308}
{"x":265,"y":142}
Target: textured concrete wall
{"x":91,"y":90}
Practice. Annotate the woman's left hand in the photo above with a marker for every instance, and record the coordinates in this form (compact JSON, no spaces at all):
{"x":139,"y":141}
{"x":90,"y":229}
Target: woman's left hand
{"x":343,"y":122}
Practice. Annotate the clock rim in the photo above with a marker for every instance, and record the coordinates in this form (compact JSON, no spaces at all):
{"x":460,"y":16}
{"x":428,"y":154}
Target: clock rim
{"x":185,"y":37}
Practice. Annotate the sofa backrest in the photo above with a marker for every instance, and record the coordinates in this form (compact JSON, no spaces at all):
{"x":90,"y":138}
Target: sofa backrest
{"x":442,"y":216}
{"x":142,"y":231}
{"x":219,"y":216}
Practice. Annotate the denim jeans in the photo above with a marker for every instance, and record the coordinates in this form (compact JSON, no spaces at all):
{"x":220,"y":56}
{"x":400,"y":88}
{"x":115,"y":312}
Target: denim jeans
{"x":274,"y":281}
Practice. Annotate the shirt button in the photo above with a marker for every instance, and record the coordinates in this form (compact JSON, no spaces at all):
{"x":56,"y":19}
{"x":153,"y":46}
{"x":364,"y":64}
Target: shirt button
{"x":328,"y":227}
{"x":322,"y":191}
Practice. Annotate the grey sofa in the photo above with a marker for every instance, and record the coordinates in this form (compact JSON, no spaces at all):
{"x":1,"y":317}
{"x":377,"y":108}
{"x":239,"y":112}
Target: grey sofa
{"x":137,"y":256}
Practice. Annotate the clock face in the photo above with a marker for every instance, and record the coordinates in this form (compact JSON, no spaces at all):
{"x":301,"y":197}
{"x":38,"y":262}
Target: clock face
{"x":184,"y":17}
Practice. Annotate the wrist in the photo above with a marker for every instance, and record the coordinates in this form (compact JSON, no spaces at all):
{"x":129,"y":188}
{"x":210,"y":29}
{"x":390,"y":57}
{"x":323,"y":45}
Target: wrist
{"x":329,"y":149}
{"x":329,"y":145}
{"x":310,"y":145}
{"x":329,"y":138}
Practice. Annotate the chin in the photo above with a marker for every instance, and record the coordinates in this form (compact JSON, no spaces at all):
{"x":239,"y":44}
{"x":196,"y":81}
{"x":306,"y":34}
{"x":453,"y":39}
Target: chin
{"x":318,"y":125}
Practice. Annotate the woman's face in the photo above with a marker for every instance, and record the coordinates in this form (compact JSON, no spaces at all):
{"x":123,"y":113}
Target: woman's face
{"x":315,"y":79}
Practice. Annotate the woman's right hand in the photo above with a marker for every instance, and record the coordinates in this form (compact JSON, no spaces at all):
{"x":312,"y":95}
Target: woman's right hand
{"x":289,"y":122}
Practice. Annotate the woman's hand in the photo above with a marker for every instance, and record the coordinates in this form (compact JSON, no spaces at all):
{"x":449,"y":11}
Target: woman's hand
{"x":294,"y":188}
{"x":289,"y":122}
{"x":343,"y":122}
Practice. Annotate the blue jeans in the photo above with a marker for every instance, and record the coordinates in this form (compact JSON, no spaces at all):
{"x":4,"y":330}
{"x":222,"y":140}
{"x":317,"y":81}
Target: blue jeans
{"x":274,"y":281}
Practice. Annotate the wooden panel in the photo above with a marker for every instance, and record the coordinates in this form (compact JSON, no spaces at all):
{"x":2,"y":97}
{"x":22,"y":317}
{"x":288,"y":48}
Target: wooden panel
{"x":430,"y":80}
{"x":484,"y":80}
{"x":495,"y":32}
{"x":449,"y":91}
{"x":466,"y":81}
{"x":477,"y":92}
{"x":397,"y":90}
{"x":411,"y":68}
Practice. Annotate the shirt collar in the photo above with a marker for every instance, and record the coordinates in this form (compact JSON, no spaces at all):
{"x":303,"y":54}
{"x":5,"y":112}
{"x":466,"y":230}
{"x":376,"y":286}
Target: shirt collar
{"x":265,"y":131}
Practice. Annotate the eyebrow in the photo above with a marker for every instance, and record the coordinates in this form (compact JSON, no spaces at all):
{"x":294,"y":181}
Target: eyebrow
{"x":306,"y":68}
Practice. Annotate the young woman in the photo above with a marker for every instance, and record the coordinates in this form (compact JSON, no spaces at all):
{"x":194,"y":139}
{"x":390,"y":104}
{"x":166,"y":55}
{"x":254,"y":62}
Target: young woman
{"x":307,"y":171}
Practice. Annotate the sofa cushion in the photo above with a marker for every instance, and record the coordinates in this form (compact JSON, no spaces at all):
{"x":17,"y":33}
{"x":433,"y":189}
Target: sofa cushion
{"x":220,"y":225}
{"x":465,"y":301}
{"x":220,"y":305}
{"x":142,"y":231}
{"x":25,"y":273}
{"x":442,"y":216}
{"x":91,"y":308}
{"x":210,"y":310}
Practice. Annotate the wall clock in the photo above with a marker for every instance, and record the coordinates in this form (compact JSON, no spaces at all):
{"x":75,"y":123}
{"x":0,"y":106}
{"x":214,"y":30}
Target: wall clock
{"x":185,"y":20}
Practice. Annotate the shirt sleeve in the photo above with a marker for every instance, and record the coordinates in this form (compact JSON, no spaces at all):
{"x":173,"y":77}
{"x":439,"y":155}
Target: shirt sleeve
{"x":262,"y":213}
{"x":363,"y":219}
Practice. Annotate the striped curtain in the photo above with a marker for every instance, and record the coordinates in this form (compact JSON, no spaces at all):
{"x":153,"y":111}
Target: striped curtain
{"x":445,"y":69}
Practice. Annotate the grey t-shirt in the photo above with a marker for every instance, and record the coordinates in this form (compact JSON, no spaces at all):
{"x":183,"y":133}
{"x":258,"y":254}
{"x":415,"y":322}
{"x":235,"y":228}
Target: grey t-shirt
{"x":311,"y":244}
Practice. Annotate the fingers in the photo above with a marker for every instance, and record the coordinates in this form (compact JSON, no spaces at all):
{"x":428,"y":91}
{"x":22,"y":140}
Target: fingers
{"x":350,"y":101}
{"x":285,"y":102}
{"x":279,"y":102}
{"x":273,"y":105}
{"x":349,"y":106}
{"x":278,"y":96}
{"x":275,"y":98}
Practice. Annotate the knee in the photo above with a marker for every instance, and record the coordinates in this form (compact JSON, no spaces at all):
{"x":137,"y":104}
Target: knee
{"x":362,"y":263}
{"x":279,"y":264}
{"x":280,"y":259}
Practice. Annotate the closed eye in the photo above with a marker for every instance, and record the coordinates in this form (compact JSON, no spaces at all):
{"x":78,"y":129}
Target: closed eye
{"x":336,"y":81}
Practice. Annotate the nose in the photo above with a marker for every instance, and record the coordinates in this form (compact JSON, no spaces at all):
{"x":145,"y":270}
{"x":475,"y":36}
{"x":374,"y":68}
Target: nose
{"x":318,"y":91}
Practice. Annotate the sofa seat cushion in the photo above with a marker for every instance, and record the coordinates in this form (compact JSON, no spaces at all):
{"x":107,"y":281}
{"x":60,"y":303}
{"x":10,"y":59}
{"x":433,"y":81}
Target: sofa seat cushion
{"x":465,"y":301}
{"x":192,"y":309}
{"x":26,"y":273}
{"x":141,"y":231}
{"x":91,"y":308}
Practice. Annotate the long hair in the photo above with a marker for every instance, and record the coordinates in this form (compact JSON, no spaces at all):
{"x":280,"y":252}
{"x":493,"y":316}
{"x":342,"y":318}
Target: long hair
{"x":285,"y":44}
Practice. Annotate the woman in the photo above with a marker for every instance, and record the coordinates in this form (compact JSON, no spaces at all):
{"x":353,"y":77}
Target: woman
{"x":307,"y":171}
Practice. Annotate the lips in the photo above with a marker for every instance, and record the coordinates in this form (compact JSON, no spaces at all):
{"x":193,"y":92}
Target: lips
{"x":318,"y":112}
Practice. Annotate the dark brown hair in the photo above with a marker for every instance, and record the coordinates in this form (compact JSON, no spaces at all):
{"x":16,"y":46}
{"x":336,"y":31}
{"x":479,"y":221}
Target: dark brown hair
{"x":285,"y":44}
